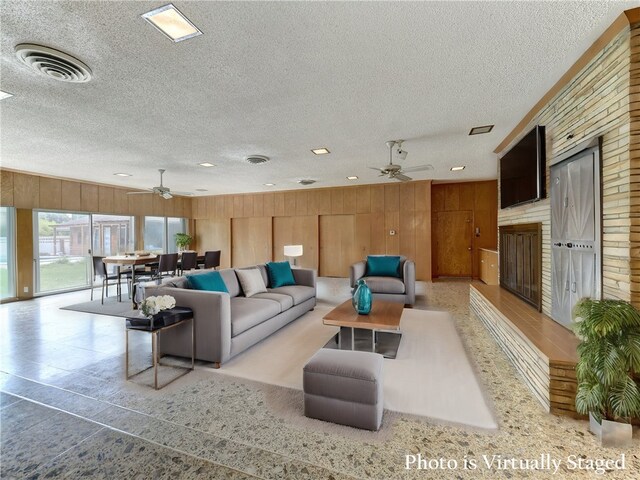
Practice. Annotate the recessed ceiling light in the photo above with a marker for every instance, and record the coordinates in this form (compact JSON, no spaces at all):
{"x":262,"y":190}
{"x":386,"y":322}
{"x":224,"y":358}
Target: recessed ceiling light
{"x":201,"y":190}
{"x":170,"y":21}
{"x":457,"y":169}
{"x":4,"y":95}
{"x":306,"y":181}
{"x":320,"y":151}
{"x":122,"y":174}
{"x":206,"y":164}
{"x":269,"y":184}
{"x":352,"y":178}
{"x":481,"y":130}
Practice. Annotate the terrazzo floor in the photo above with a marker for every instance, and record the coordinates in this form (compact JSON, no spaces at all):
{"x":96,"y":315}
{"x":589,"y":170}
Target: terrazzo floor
{"x":66,"y":412}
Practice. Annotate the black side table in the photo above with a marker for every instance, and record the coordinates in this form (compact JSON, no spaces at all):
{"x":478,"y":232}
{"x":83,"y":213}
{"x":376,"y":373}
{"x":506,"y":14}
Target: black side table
{"x":165,"y":320}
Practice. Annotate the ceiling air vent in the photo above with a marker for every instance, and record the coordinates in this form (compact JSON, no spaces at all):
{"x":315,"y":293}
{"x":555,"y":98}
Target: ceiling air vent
{"x":306,"y":181}
{"x":257,"y":159}
{"x":53,"y":63}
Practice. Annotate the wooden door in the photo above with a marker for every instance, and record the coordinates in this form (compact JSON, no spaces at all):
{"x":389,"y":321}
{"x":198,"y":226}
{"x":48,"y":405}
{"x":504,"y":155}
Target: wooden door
{"x":454,"y":240}
{"x":337,"y":245}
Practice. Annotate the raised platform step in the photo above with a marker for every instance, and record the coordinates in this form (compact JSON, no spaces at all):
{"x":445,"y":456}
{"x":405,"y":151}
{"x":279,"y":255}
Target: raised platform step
{"x":543,"y":351}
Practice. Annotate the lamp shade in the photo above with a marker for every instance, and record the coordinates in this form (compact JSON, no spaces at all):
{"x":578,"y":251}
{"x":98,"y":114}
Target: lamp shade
{"x":292,"y":250}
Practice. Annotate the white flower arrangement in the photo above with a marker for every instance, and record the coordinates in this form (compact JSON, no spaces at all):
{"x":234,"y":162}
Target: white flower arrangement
{"x":152,"y":305}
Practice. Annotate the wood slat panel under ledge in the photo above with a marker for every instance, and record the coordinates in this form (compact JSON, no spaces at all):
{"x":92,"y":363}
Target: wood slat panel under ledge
{"x":542,"y":351}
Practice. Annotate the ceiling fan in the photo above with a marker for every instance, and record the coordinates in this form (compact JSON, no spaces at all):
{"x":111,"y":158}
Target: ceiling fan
{"x":164,"y":192}
{"x":396,"y":171}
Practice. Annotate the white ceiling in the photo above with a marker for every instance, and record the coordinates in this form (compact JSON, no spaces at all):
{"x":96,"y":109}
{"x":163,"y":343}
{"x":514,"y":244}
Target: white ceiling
{"x":280,"y":78}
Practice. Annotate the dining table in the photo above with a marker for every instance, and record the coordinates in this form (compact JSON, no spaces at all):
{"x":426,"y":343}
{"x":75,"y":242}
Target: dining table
{"x":132,"y":261}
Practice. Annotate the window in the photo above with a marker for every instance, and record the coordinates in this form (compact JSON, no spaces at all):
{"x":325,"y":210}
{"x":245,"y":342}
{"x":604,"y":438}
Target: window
{"x":62,"y":250}
{"x":112,"y":234}
{"x":160,"y":233}
{"x":7,"y":253}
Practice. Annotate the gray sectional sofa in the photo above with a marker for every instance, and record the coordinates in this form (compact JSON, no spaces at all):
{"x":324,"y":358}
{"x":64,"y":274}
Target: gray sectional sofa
{"x":229,"y":323}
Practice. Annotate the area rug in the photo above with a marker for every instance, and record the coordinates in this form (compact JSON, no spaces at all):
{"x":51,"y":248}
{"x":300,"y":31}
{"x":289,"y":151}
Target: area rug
{"x":111,"y":307}
{"x":430,"y":377}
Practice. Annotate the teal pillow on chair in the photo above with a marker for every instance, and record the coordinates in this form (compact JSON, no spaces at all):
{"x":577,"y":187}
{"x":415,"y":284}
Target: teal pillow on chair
{"x":211,"y":281}
{"x":280,"y":274}
{"x":383,"y":266}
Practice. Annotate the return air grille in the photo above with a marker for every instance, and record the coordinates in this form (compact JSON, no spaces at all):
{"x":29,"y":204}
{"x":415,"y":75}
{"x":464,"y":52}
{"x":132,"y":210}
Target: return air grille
{"x":257,"y":159}
{"x":53,"y":63}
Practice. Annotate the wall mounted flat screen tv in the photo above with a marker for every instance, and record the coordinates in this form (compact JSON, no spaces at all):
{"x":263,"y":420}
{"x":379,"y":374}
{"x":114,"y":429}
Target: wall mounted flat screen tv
{"x":522,"y":170}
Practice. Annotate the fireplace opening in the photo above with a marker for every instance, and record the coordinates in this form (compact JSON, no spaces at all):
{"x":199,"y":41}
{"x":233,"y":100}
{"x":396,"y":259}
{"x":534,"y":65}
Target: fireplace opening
{"x":521,"y":261}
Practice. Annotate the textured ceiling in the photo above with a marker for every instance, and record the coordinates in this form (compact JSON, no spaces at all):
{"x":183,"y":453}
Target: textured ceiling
{"x":280,"y":78}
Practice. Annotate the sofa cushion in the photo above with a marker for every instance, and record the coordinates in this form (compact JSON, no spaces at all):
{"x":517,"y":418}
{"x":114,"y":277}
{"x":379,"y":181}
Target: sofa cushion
{"x":210,"y":281}
{"x":383,"y":266}
{"x":251,"y":281}
{"x":249,"y":312}
{"x":285,"y":301}
{"x":280,"y":274}
{"x":299,"y":293}
{"x":385,"y":284}
{"x":231,"y":281}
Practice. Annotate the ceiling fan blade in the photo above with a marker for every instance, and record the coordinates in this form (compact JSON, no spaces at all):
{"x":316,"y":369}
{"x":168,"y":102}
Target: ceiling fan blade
{"x":182,"y":194}
{"x":377,"y":168}
{"x":401,"y":177}
{"x":418,"y":168}
{"x":140,"y":193}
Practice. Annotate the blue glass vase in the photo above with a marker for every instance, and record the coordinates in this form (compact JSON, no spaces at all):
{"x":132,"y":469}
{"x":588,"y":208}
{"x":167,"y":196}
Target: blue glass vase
{"x":362,"y":298}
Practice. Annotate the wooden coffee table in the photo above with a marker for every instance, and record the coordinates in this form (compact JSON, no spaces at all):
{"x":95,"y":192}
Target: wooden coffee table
{"x":379,"y":331}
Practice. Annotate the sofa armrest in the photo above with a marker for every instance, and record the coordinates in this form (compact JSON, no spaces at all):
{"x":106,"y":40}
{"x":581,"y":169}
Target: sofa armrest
{"x":409,"y":279}
{"x":211,"y":316}
{"x":356,"y":272}
{"x":304,"y":276}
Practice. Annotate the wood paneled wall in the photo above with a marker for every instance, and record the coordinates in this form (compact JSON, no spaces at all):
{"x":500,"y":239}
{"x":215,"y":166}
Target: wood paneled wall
{"x":22,"y":190}
{"x":376,"y":210}
{"x":481,"y":199}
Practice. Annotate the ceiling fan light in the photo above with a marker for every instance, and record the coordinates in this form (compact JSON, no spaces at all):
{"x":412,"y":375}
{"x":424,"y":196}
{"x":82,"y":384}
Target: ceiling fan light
{"x":166,"y":195}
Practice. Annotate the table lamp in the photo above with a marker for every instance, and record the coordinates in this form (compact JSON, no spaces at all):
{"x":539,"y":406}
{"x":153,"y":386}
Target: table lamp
{"x":293,"y":251}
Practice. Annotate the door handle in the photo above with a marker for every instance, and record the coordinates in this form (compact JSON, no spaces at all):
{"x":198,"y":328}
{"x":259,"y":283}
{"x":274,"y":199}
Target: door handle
{"x":573,"y":287}
{"x":566,"y":285}
{"x":469,"y":248}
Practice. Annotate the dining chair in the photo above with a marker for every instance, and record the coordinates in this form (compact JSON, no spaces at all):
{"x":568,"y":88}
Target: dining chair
{"x":188,"y":261}
{"x":212,"y":259}
{"x":167,"y":265}
{"x":100,"y":270}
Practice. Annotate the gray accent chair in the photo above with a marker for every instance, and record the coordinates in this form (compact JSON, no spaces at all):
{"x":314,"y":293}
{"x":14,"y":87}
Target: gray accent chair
{"x":227,"y":324}
{"x":392,"y":289}
{"x":345,"y":387}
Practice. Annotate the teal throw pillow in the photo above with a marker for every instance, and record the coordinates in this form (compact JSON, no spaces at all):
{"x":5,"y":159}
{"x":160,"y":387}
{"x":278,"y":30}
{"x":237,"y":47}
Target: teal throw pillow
{"x":211,"y":281}
{"x":383,"y":266}
{"x":280,"y":274}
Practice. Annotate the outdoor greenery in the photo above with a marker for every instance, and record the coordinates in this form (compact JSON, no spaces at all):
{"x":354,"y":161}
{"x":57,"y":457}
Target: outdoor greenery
{"x":609,"y":363}
{"x":183,"y":240}
{"x":4,"y":281}
{"x":63,"y":274}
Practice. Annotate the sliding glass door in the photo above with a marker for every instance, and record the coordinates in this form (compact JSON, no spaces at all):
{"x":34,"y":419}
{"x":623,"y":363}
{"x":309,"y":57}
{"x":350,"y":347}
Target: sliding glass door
{"x":7,"y":253}
{"x":112,"y":234}
{"x":62,"y":251}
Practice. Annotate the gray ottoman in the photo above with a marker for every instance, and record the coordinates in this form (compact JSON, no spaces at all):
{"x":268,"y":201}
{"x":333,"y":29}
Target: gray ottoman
{"x":345,"y":387}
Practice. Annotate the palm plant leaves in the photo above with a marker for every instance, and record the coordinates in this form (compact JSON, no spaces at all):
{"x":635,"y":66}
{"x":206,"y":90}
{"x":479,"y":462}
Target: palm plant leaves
{"x":624,"y":399}
{"x":609,"y":357}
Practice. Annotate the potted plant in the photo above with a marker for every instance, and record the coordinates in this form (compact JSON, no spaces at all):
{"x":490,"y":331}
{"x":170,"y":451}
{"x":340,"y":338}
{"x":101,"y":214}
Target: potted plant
{"x":608,"y":367}
{"x":183,"y":240}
